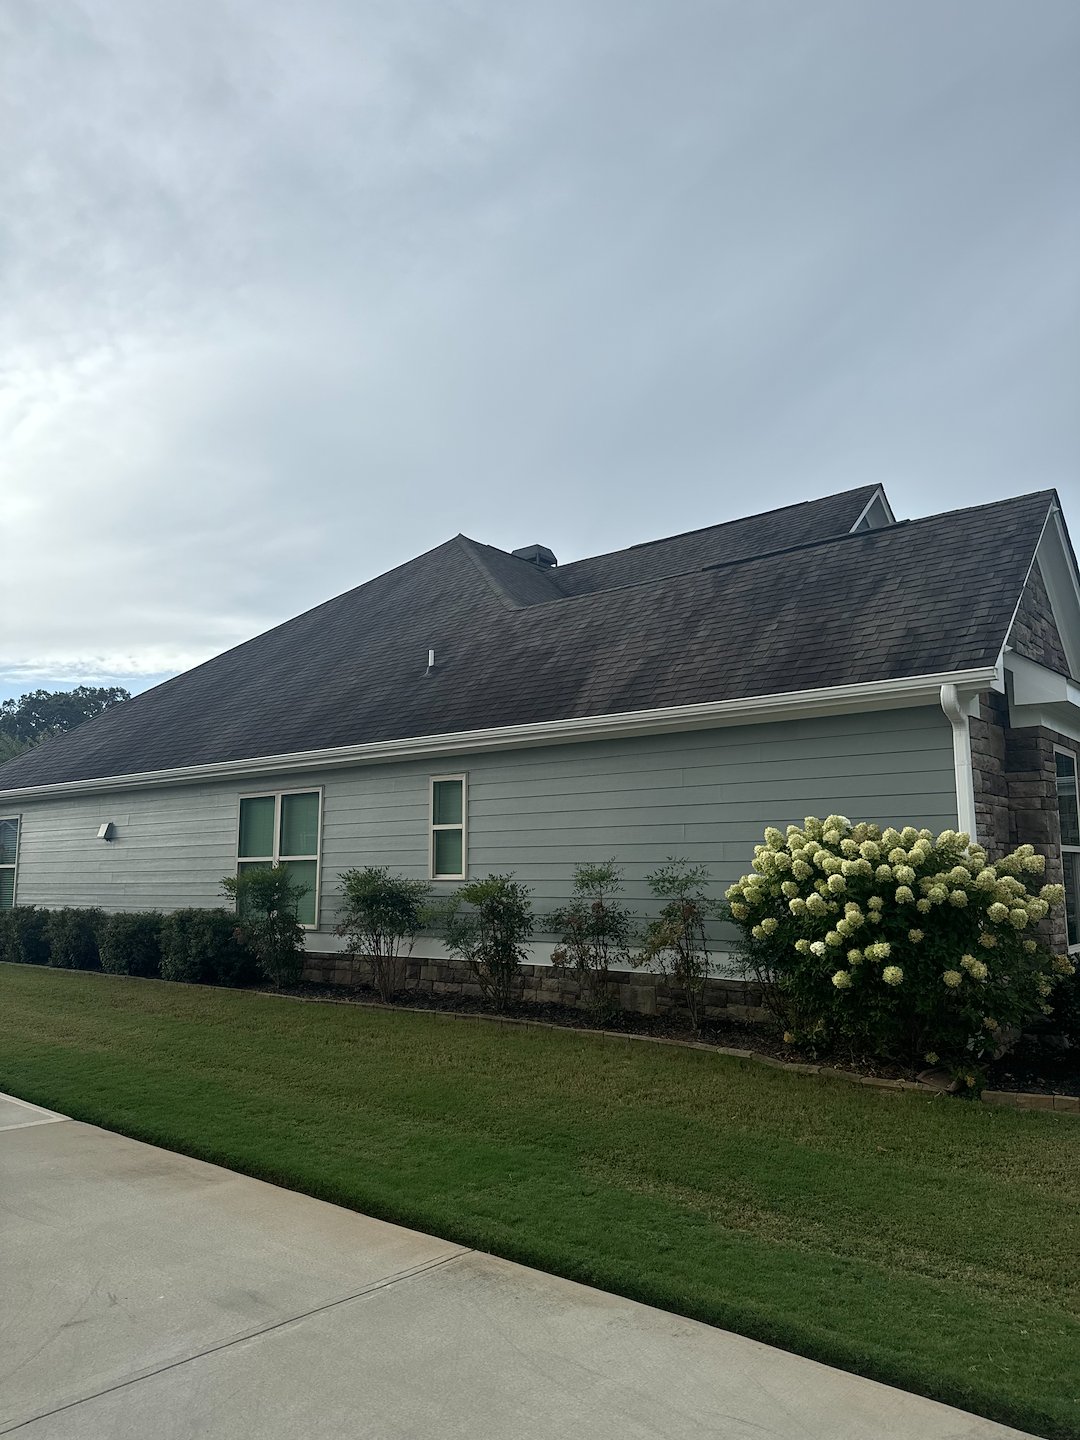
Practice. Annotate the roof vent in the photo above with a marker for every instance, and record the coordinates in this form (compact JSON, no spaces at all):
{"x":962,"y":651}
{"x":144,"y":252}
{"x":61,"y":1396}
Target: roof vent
{"x":538,"y":555}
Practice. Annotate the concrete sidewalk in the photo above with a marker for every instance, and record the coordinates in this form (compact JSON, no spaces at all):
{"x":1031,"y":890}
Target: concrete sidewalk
{"x":146,"y":1294}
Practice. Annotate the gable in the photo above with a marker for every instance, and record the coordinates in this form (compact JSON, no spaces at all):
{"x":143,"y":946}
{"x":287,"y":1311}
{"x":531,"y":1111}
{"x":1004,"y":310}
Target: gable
{"x":1035,"y":633}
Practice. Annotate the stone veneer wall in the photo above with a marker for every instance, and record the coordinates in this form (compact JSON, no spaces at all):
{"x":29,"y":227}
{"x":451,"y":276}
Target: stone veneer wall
{"x":1035,"y":633}
{"x":1016,"y":789}
{"x":639,"y":992}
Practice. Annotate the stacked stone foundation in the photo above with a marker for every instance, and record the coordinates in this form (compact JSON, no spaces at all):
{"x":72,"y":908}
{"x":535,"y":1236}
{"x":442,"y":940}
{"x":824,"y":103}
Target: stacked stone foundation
{"x":636,"y":992}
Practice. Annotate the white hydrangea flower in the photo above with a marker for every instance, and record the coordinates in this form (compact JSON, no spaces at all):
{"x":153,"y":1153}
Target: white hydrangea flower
{"x":869,"y":850}
{"x":915,"y":936}
{"x":937,"y":894}
{"x":769,"y":925}
{"x":875,"y":903}
{"x":837,"y":884}
{"x":854,"y":957}
{"x":923,"y":907}
{"x":952,"y":978}
{"x":905,"y":895}
{"x":1037,"y":909}
{"x":803,"y":947}
{"x":801,"y":870}
{"x":989,"y":941}
{"x":817,"y":948}
{"x":884,"y":872}
{"x":904,"y":874}
{"x":881,"y":951}
{"x":892,"y":975}
{"x":842,"y":979}
{"x":1053,"y":894}
{"x":797,"y":905}
{"x":1018,"y":919}
{"x":959,"y":899}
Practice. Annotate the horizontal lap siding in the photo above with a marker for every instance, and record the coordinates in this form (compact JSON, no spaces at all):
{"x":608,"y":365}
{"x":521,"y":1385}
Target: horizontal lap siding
{"x":705,"y":795}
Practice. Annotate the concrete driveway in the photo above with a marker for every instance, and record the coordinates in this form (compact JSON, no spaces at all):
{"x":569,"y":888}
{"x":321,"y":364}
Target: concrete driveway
{"x":144,"y":1294}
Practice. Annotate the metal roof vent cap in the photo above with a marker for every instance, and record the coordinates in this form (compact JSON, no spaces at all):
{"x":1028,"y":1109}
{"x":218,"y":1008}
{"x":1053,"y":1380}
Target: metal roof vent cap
{"x":538,"y":555}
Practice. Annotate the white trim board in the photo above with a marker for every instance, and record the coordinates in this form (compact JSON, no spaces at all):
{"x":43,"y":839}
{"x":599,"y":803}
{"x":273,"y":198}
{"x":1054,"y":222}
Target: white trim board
{"x":901,"y":693}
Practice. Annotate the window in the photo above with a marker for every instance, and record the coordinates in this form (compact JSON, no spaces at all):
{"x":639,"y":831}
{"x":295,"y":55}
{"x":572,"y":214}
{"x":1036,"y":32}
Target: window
{"x":283,"y":829}
{"x":449,"y":839}
{"x":1069,"y":814}
{"x":9,"y":855}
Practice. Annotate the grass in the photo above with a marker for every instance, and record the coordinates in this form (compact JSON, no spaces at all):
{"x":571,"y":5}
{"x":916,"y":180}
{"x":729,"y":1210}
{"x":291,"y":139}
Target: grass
{"x":920,"y":1240}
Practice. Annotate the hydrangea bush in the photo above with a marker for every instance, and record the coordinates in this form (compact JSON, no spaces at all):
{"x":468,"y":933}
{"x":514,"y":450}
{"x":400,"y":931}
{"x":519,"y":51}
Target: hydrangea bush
{"x":898,"y":943}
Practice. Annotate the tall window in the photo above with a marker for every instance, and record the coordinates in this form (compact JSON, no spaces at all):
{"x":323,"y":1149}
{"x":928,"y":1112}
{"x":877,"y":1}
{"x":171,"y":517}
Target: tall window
{"x":1070,"y":841}
{"x":9,"y":855}
{"x":449,"y":828}
{"x":283,"y":829}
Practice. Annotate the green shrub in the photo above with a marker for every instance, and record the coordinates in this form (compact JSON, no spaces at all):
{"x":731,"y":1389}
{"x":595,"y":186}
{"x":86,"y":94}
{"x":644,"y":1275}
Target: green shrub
{"x":72,"y":934}
{"x":22,"y":935}
{"x":896,"y":943}
{"x":676,"y":942}
{"x":266,"y":904}
{"x":489,"y":933}
{"x":595,"y":933}
{"x":202,"y":947}
{"x":382,"y":914}
{"x":131,"y":943}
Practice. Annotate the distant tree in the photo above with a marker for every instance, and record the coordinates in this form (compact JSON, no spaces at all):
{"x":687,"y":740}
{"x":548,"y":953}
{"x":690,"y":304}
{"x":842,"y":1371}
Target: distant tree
{"x":41,"y":713}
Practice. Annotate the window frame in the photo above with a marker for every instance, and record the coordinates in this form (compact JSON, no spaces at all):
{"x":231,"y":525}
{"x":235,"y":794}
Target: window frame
{"x":1070,"y":755}
{"x":433,"y":829}
{"x":277,"y":858}
{"x":14,"y":866}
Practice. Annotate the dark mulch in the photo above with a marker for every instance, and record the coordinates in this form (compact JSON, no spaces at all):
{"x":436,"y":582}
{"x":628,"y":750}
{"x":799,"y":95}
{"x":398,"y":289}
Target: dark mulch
{"x":1043,"y":1064}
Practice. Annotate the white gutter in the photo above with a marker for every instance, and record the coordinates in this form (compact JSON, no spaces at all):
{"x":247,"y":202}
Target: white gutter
{"x":759,"y":709}
{"x":957,"y":715}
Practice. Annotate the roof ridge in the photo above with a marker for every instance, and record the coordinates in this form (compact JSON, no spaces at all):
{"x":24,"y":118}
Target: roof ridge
{"x":878,"y":533}
{"x":722,"y":524}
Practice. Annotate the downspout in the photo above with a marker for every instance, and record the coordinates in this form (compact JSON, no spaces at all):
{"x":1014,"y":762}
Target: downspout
{"x":957,"y":717}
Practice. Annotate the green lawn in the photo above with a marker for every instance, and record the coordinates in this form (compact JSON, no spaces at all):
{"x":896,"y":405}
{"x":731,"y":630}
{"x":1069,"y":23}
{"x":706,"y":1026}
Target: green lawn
{"x":924,"y":1241}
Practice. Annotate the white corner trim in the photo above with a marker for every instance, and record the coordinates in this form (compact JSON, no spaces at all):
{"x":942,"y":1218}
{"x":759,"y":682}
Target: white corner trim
{"x":904,"y":692}
{"x":957,"y":715}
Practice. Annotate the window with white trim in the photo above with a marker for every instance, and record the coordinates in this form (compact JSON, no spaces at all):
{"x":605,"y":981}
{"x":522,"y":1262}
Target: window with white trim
{"x":1069,"y":815}
{"x":9,"y":859}
{"x":283,"y":828}
{"x":449,"y":857}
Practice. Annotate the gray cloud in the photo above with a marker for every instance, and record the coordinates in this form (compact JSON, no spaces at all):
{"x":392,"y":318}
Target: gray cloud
{"x":291,"y":293}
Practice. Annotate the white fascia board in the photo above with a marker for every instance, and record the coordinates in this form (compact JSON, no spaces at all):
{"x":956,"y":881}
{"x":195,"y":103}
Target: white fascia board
{"x":1062,"y":585}
{"x":896,"y":694}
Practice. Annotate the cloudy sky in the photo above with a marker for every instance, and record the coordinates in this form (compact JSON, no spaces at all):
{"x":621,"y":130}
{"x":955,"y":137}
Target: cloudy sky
{"x":292,"y":292}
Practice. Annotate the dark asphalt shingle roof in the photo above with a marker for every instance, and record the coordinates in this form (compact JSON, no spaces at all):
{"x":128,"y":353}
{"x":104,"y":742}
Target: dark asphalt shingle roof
{"x":920,"y":597}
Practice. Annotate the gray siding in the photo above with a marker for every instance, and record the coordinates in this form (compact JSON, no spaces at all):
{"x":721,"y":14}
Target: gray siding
{"x":705,"y":795}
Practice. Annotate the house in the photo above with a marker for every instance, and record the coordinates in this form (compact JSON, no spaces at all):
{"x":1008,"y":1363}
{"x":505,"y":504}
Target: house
{"x":474,"y":711}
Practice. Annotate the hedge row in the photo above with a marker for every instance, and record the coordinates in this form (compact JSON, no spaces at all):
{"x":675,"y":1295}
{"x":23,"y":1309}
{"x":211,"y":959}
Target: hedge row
{"x":197,"y":946}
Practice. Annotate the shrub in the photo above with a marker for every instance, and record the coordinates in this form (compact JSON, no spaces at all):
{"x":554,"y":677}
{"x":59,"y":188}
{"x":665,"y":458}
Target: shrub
{"x":900,"y":944}
{"x":676,"y":942}
{"x":202,"y":947}
{"x":131,"y":943}
{"x":266,"y":902}
{"x":381,"y":917}
{"x":489,"y":934}
{"x":595,"y":933}
{"x":72,"y":935}
{"x":22,"y":935}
